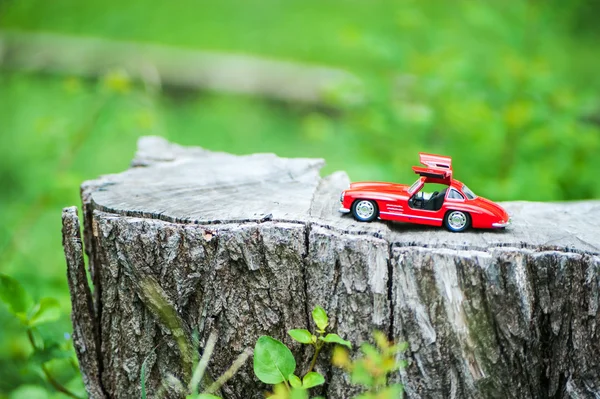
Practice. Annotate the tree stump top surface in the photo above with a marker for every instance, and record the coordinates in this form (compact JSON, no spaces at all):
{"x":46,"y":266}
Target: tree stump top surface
{"x":193,"y":240}
{"x":193,"y":185}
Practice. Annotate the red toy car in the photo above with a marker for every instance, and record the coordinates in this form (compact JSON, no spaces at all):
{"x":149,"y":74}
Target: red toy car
{"x":454,"y":206}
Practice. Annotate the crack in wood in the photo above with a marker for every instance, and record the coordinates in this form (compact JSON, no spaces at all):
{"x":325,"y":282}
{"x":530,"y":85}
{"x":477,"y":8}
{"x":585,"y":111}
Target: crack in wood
{"x":485,"y":313}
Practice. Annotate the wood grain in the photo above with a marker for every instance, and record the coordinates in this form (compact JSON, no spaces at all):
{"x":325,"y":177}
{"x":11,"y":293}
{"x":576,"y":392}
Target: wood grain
{"x":188,"y":239}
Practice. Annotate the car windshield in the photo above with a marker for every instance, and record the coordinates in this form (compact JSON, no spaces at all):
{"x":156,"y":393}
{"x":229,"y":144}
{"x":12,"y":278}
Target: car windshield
{"x":470,"y":194}
{"x":414,"y":186}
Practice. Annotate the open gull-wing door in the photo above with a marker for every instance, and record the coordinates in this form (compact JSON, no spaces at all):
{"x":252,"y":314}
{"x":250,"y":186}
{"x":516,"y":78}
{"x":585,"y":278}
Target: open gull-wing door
{"x":436,"y":166}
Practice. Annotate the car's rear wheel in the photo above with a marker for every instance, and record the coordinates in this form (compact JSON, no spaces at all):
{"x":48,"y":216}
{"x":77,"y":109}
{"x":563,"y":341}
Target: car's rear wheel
{"x":457,"y":221}
{"x":364,"y":210}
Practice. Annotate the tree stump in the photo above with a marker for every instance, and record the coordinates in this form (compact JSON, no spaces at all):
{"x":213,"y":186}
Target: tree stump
{"x":192,"y":240}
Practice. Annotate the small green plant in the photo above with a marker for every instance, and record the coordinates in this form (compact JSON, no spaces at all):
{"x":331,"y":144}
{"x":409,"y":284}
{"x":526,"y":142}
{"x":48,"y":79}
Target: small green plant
{"x":49,"y":353}
{"x":274,"y":363}
{"x":305,"y":337}
{"x":371,"y":370}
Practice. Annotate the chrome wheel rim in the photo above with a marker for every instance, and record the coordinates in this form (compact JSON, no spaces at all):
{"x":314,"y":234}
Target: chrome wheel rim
{"x":457,"y":220}
{"x":365,"y":209}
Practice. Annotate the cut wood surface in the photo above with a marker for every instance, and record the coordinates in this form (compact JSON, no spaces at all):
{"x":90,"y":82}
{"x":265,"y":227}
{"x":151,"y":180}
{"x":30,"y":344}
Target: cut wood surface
{"x":189,"y":239}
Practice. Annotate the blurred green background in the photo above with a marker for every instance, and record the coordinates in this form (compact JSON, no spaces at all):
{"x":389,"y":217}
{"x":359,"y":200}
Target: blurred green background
{"x":510,"y":90}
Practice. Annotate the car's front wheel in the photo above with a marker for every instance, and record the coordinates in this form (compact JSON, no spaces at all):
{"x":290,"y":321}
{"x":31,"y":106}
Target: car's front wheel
{"x":457,"y":221}
{"x":365,"y":210}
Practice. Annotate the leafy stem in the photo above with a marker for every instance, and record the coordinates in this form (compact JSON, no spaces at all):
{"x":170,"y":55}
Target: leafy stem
{"x":57,"y":385}
{"x":274,"y":363}
{"x":318,"y":347}
{"x":287,"y":385}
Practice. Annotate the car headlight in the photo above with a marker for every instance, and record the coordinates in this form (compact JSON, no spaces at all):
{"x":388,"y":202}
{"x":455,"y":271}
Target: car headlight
{"x":342,"y":197}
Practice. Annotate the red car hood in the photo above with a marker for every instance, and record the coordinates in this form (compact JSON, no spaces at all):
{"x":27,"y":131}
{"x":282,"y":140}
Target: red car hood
{"x":377,"y":186}
{"x":491,"y":207}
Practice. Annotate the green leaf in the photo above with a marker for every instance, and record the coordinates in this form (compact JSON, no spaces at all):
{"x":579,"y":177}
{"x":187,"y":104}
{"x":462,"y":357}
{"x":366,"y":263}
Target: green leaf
{"x":14,"y":296}
{"x":370,"y":351}
{"x":302,"y":336}
{"x":29,"y":392}
{"x":50,"y":352}
{"x":360,"y":375}
{"x":312,"y":379}
{"x":295,"y":381}
{"x":320,"y":317}
{"x":38,"y":341}
{"x":46,"y":311}
{"x":60,"y":370}
{"x":206,"y":396}
{"x":299,"y":393}
{"x":336,"y":339}
{"x":272,"y":360}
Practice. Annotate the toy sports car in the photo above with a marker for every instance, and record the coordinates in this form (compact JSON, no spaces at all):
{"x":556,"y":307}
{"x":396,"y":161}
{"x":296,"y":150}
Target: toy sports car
{"x":454,"y":206}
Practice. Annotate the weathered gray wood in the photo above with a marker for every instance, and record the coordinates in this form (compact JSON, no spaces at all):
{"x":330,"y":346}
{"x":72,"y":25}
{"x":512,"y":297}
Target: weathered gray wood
{"x":83,"y":316}
{"x":159,"y":66}
{"x":246,"y":245}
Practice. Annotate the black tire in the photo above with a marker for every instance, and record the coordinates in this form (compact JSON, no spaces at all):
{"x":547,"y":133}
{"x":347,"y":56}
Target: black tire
{"x":365,"y":210}
{"x":457,"y":221}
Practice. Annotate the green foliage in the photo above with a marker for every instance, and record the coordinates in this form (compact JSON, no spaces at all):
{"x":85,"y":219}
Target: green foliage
{"x":21,"y":305}
{"x":295,"y":381}
{"x":302,"y":336}
{"x":335,"y":339}
{"x":282,"y":391}
{"x":52,"y":359}
{"x":15,"y":297}
{"x":312,"y":380}
{"x":320,"y":318}
{"x":273,"y":361}
{"x":484,"y":82}
{"x":48,"y":310}
{"x":373,"y":367}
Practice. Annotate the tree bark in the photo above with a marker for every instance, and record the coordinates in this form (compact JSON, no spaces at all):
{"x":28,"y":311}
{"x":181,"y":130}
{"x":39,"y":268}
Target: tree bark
{"x":191,"y":240}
